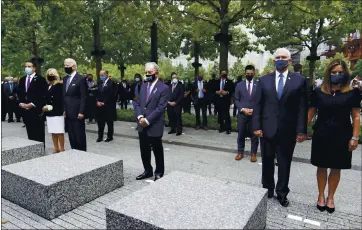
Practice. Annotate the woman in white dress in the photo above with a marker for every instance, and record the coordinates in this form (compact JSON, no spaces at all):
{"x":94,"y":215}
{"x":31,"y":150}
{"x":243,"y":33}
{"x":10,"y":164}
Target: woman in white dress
{"x":53,"y":110}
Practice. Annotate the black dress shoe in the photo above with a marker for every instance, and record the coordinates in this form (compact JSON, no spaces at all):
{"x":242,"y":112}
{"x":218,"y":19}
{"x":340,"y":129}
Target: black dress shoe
{"x":144,"y":175}
{"x":270,"y":193}
{"x":221,"y":130}
{"x":283,"y":200}
{"x":109,"y":139}
{"x":178,"y":133}
{"x":157,"y":177}
{"x":228,"y":132}
{"x":172,"y":132}
{"x":100,"y":139}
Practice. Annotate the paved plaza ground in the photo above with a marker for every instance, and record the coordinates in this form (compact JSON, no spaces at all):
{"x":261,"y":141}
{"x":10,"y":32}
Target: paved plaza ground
{"x":206,"y":153}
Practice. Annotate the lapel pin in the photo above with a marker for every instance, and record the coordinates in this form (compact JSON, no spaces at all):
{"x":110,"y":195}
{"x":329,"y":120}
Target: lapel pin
{"x":288,"y":78}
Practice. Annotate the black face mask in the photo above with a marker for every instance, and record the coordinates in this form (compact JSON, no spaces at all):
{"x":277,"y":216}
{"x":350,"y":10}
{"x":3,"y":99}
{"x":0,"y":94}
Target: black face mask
{"x":150,"y":78}
{"x":200,"y":78}
{"x":50,"y":78}
{"x":249,"y":77}
{"x":68,"y":70}
{"x":224,"y":76}
{"x":90,"y":79}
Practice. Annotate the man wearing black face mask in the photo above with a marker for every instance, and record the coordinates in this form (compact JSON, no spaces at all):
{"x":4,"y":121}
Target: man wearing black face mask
{"x":224,"y":90}
{"x":199,"y":94}
{"x":244,"y":102}
{"x":280,"y":119}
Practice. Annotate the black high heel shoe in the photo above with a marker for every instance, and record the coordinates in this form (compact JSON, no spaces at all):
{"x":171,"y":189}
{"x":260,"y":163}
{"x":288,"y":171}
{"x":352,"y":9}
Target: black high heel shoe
{"x":330,"y":210}
{"x":321,"y":208}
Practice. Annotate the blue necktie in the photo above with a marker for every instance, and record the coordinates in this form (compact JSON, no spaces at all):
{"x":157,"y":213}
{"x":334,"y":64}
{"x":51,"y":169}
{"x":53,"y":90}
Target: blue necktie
{"x":67,"y":84}
{"x":280,"y":86}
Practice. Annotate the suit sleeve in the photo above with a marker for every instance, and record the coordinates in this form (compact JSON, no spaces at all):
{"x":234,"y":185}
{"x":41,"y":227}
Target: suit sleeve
{"x":161,"y":107}
{"x":257,"y":108}
{"x":137,"y":107}
{"x":237,"y":98}
{"x":83,"y":95}
{"x":20,"y":91}
{"x":39,"y":100}
{"x":302,"y":110}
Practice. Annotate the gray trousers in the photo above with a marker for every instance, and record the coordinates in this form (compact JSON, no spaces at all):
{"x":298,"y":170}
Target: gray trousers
{"x":245,"y":130}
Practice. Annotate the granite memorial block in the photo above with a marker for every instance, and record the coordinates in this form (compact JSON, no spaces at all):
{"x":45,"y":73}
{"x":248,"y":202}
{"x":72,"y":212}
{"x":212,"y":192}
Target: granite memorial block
{"x":186,"y":201}
{"x":16,"y":149}
{"x":55,"y":184}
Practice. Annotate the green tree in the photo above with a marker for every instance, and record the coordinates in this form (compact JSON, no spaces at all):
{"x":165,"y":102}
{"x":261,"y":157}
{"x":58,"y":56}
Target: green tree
{"x":237,"y":69}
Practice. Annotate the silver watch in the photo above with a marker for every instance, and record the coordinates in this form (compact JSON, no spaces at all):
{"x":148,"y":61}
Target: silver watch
{"x":355,"y":138}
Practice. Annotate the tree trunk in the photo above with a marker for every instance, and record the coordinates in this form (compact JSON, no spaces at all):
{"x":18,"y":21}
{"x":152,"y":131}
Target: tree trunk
{"x":196,"y":53}
{"x":36,"y":53}
{"x":312,"y":62}
{"x":224,"y":32}
{"x":121,"y":67}
{"x":97,"y":45}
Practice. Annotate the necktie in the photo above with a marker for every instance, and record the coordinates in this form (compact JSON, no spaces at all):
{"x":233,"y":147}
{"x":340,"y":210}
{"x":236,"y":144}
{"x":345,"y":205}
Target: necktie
{"x":280,"y":86}
{"x":148,"y":91}
{"x":11,"y":87}
{"x":249,"y":90}
{"x":28,"y":83}
{"x":222,"y":84}
{"x":68,"y":83}
{"x":173,"y":87}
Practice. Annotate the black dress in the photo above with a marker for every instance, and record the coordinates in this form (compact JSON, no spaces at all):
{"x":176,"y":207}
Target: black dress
{"x":333,"y":128}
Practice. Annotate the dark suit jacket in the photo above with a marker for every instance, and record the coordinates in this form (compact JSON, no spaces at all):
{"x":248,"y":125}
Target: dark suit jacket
{"x":11,"y":92}
{"x":123,"y":93}
{"x":225,"y":99}
{"x":195,"y":95}
{"x":241,"y":96}
{"x":35,"y":94}
{"x":177,"y":95}
{"x":54,"y":97}
{"x":287,"y":115}
{"x":105,"y":93}
{"x":75,"y":98}
{"x":153,"y":109}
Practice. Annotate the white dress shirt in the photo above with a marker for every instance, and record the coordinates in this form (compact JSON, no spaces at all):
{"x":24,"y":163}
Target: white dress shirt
{"x":201,"y":87}
{"x":251,"y":85}
{"x":26,"y":80}
{"x":151,"y":88}
{"x":72,"y":76}
{"x":285,"y":74}
{"x":105,"y":82}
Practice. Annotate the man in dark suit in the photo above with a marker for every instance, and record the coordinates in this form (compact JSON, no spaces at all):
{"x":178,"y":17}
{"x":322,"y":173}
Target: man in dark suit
{"x":239,"y":79}
{"x":150,"y":112}
{"x":244,"y":102}
{"x":32,"y":90}
{"x":4,"y":101}
{"x":91,"y":99}
{"x":11,"y":97}
{"x":280,"y":119}
{"x":211,"y":88}
{"x":199,"y":94}
{"x":224,"y":90}
{"x":174,"y":105}
{"x":105,"y":104}
{"x":123,"y":93}
{"x":75,"y":91}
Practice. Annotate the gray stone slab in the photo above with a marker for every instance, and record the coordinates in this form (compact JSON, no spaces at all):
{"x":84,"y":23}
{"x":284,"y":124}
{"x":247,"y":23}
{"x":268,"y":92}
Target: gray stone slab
{"x":55,"y":184}
{"x":182,"y":200}
{"x":16,"y":149}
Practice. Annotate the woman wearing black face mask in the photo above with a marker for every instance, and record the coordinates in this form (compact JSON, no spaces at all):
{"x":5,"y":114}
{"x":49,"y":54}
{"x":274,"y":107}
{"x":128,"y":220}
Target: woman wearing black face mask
{"x":53,"y":110}
{"x":334,"y":136}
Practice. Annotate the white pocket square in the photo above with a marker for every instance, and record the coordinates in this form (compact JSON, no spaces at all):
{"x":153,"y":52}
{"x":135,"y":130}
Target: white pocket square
{"x":155,"y":91}
{"x":73,"y":84}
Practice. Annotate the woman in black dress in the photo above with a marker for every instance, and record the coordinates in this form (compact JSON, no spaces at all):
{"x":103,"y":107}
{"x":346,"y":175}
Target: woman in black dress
{"x":334,"y":136}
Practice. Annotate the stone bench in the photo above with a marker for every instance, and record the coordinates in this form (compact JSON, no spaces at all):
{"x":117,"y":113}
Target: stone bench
{"x":183,"y":201}
{"x":55,"y":184}
{"x":16,"y":149}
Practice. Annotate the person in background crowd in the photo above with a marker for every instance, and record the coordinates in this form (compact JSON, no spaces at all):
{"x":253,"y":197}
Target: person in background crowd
{"x":91,"y":99}
{"x":136,"y":88}
{"x":53,"y":110}
{"x":105,"y":105}
{"x":174,"y":105}
{"x":75,"y":98}
{"x":244,"y":102}
{"x":280,"y":118}
{"x":4,"y":101}
{"x":150,"y":112}
{"x":334,"y":136}
{"x":123,"y":91}
{"x":212,"y":88}
{"x":12,"y":98}
{"x":115,"y":97}
{"x":187,"y":97}
{"x":17,"y":110}
{"x":32,"y":90}
{"x":224,"y":91}
{"x":298,"y":68}
{"x":199,"y":90}
{"x":238,"y":79}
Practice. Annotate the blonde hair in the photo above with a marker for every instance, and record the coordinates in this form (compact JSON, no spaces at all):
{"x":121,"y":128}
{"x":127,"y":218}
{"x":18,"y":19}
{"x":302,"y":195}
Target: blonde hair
{"x":326,"y":85}
{"x":53,"y":72}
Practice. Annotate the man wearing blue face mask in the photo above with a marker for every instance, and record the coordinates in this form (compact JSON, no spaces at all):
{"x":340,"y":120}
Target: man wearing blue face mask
{"x":280,"y":120}
{"x":105,"y":106}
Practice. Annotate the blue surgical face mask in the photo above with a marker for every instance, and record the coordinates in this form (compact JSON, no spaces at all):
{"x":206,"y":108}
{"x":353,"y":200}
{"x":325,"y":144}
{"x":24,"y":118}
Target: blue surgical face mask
{"x":281,"y":64}
{"x":137,"y":79}
{"x":28,"y":70}
{"x":338,"y":78}
{"x":11,"y":82}
{"x":103,"y":78}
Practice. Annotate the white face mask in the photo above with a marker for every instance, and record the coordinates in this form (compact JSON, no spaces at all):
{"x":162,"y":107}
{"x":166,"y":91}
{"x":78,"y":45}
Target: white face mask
{"x":174,"y":80}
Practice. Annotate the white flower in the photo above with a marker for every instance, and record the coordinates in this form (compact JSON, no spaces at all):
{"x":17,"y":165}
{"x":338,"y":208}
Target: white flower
{"x":49,"y":107}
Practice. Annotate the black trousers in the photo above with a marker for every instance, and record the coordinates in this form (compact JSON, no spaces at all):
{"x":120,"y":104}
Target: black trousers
{"x":209,"y":108}
{"x":13,"y":108}
{"x":147,"y":144}
{"x":224,"y":116}
{"x":283,"y":148}
{"x":245,"y":130}
{"x":76,"y":132}
{"x":91,"y":107}
{"x":174,"y":117}
{"x":123,"y":103}
{"x":201,"y":105}
{"x":35,"y":126}
{"x":101,"y":121}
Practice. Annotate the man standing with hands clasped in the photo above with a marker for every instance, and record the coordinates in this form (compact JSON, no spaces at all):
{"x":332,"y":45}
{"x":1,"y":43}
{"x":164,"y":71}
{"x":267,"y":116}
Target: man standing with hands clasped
{"x":280,"y":119}
{"x":150,"y":112}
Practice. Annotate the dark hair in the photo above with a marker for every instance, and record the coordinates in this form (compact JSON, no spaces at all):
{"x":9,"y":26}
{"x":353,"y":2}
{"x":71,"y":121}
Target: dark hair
{"x":326,"y":85}
{"x":298,"y":67}
{"x":240,"y":77}
{"x":137,"y":75}
{"x":249,"y":67}
{"x":173,"y":74}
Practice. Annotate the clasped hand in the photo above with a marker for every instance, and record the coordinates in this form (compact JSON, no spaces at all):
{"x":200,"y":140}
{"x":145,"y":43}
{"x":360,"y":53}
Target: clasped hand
{"x":172,"y":103}
{"x":26,"y":106}
{"x":142,"y":122}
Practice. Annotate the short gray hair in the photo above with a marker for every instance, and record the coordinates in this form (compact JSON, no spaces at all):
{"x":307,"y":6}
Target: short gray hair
{"x":282,"y":50}
{"x":71,"y":60}
{"x":153,"y":64}
{"x":9,"y":78}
